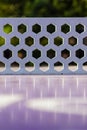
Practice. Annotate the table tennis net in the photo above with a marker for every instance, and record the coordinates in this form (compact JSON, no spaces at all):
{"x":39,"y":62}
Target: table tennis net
{"x":45,"y":46}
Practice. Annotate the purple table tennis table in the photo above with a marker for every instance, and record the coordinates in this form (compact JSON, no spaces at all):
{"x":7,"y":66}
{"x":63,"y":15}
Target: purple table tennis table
{"x":43,"y":102}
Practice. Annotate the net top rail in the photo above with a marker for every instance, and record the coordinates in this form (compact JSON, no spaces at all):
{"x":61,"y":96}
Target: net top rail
{"x":43,"y":46}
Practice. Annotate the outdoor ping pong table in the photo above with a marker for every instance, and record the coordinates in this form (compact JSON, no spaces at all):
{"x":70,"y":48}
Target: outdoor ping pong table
{"x":43,"y":73}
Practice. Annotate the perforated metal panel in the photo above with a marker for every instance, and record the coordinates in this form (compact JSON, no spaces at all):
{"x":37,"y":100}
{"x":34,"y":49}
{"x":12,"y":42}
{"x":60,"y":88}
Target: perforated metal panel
{"x":43,"y":46}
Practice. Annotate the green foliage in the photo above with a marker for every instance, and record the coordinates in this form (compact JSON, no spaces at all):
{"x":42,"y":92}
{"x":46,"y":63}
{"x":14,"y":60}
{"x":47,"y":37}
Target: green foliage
{"x":43,"y":8}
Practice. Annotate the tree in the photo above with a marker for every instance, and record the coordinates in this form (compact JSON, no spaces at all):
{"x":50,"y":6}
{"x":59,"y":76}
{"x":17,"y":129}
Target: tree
{"x":43,"y":8}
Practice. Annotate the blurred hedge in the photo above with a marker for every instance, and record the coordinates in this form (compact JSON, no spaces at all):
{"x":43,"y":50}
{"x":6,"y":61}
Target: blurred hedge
{"x":43,"y":8}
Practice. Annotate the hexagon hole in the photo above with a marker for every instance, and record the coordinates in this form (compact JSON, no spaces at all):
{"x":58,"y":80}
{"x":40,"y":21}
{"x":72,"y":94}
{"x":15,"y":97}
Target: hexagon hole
{"x":65,"y":53}
{"x":65,"y":28}
{"x":22,"y":53}
{"x":72,"y":41}
{"x":7,"y":53}
{"x":85,"y":41}
{"x":22,"y":28}
{"x":2,"y":41}
{"x":2,"y":66}
{"x":58,"y":66}
{"x":7,"y":28}
{"x":79,"y":53}
{"x":73,"y":66}
{"x":51,"y":28}
{"x":29,"y":41}
{"x":36,"y":53}
{"x":36,"y":28}
{"x":29,"y":66}
{"x":43,"y":41}
{"x":58,"y":41}
{"x":51,"y":53}
{"x":84,"y":66}
{"x":15,"y":66}
{"x":44,"y":66}
{"x":79,"y":28}
{"x":14,"y":41}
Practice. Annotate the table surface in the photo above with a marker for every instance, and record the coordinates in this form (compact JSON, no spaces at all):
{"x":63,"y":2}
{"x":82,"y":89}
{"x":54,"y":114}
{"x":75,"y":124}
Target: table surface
{"x":43,"y":102}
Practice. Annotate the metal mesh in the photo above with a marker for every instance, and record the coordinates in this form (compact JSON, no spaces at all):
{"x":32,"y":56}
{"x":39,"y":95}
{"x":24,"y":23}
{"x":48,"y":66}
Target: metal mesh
{"x":43,"y":45}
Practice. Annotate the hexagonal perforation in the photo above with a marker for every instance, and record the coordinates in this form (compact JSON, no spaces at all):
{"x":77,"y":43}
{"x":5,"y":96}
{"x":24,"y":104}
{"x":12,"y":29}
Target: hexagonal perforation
{"x":22,"y":54}
{"x":29,"y":66}
{"x":58,"y":41}
{"x":36,"y":53}
{"x":29,"y":41}
{"x":44,"y":66}
{"x":22,"y":28}
{"x":72,"y":41}
{"x":79,"y":53}
{"x":14,"y":41}
{"x":2,"y":66}
{"x":58,"y":66}
{"x":65,"y":53}
{"x":15,"y":66}
{"x":43,"y":41}
{"x":51,"y":28}
{"x":36,"y":28}
{"x":7,"y":53}
{"x":2,"y":41}
{"x":73,"y":66}
{"x":65,"y":28}
{"x":7,"y":28}
{"x":50,"y":53}
{"x":84,"y":66}
{"x":79,"y":28}
{"x":85,"y":41}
